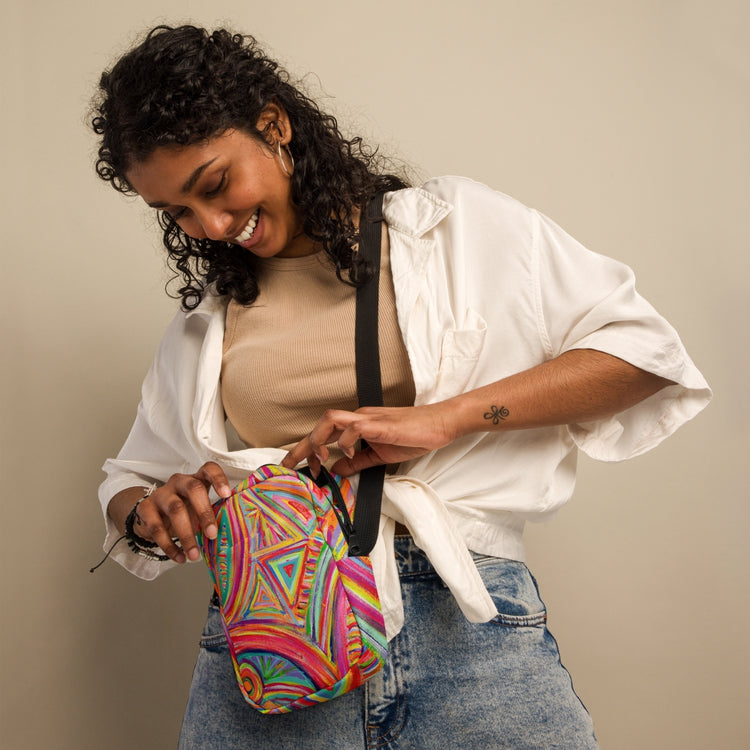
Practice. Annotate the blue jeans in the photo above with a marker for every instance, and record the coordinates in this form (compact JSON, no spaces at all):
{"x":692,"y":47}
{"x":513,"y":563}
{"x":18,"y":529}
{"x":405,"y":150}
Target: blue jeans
{"x":448,"y":683}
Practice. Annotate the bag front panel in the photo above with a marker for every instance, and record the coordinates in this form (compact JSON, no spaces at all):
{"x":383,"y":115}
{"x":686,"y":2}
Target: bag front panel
{"x":290,"y":593}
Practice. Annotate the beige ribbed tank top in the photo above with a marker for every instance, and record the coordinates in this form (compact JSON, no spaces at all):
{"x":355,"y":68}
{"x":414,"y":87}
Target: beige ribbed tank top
{"x":290,"y":355}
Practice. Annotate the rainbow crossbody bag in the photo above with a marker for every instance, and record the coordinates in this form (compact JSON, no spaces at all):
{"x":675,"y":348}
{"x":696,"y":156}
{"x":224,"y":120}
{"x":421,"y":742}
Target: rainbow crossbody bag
{"x":301,"y":614}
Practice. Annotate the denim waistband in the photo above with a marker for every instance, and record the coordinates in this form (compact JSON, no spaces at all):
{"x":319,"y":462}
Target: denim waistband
{"x":410,"y":559}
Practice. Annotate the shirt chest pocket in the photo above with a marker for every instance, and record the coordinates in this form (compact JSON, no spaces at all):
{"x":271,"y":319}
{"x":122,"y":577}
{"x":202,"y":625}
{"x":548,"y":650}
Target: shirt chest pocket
{"x":459,"y":354}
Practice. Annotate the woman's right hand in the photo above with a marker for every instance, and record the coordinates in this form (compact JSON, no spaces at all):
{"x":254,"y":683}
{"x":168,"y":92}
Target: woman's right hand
{"x":177,"y":509}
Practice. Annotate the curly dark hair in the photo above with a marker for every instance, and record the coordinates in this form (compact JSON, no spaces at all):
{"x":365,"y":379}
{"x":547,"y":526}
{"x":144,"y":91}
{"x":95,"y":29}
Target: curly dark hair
{"x":182,"y":86}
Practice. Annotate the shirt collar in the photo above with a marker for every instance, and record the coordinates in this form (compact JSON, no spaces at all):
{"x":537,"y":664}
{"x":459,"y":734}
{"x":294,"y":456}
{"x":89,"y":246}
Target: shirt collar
{"x":210,"y":304}
{"x":414,"y":211}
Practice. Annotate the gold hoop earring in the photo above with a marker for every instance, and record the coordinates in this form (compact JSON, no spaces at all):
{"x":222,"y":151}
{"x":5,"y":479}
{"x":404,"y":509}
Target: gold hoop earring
{"x":281,"y":158}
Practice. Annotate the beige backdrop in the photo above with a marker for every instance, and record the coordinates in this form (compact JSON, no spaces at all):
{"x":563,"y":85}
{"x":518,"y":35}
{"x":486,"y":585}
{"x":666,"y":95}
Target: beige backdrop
{"x":626,"y":122}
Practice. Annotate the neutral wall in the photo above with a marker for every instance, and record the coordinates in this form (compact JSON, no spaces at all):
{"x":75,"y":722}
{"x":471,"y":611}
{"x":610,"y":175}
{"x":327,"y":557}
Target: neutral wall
{"x":627,"y":122}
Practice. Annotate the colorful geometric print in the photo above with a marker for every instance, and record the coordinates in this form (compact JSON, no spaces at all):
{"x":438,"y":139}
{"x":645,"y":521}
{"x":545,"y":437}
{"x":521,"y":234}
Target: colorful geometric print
{"x":301,"y":616}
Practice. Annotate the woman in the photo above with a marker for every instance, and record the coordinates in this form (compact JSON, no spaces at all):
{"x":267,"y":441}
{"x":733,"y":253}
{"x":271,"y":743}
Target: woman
{"x":505,"y":345}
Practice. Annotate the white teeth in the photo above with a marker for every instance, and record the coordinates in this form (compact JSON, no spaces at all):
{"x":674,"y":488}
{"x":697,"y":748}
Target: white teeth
{"x":249,"y":230}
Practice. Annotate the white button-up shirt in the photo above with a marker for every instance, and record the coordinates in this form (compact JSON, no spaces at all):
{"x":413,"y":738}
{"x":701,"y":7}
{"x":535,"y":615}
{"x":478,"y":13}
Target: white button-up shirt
{"x":485,"y":287}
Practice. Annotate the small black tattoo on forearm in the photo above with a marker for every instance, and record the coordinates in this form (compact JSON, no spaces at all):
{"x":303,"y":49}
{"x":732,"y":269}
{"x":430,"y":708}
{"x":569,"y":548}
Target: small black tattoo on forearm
{"x":496,"y":413}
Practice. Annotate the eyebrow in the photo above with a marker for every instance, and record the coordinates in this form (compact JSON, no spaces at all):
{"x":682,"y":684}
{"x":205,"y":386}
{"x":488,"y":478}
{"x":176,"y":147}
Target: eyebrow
{"x":189,"y":183}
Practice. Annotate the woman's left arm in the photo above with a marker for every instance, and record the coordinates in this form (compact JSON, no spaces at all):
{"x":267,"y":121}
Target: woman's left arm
{"x":580,"y":385}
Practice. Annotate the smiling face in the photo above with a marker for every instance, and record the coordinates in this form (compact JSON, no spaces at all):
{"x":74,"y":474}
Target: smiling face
{"x":231,"y":188}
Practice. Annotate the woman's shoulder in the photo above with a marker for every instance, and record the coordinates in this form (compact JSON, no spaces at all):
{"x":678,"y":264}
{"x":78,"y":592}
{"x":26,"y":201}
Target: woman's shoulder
{"x":465,"y":193}
{"x":188,"y":329}
{"x":461,"y":199}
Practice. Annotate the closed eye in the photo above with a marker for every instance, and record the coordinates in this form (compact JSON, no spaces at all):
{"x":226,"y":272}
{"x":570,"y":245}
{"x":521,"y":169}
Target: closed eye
{"x":180,"y":213}
{"x":215,"y":191}
{"x":177,"y":215}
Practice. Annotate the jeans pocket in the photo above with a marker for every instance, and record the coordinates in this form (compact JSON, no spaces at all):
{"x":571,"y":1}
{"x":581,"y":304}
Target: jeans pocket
{"x":519,"y":621}
{"x":213,"y":637}
{"x":514,"y":592}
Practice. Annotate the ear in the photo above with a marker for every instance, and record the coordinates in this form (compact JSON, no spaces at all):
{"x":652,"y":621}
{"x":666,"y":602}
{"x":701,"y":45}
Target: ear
{"x":273,"y":125}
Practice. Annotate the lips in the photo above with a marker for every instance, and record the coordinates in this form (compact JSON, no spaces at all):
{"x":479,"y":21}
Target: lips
{"x":247,"y":233}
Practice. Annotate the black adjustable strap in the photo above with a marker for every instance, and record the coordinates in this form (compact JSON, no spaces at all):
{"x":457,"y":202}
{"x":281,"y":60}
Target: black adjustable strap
{"x":369,"y":385}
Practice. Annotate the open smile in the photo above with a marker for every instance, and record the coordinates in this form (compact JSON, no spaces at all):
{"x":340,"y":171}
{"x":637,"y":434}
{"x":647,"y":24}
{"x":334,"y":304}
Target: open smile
{"x":247,"y":233}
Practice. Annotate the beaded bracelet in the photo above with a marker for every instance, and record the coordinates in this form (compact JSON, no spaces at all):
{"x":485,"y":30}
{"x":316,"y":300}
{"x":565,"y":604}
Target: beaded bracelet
{"x":137,"y":543}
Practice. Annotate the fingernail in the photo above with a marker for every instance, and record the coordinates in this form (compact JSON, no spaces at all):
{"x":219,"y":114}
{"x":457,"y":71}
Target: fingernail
{"x":193,"y":554}
{"x":226,"y":491}
{"x":180,"y":558}
{"x":211,"y":531}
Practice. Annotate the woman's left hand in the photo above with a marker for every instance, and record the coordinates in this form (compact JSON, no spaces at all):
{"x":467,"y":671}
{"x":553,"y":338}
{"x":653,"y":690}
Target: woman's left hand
{"x":393,"y":434}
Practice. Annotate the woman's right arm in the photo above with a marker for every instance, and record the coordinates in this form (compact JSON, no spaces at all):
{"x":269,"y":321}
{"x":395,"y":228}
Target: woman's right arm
{"x":177,"y":509}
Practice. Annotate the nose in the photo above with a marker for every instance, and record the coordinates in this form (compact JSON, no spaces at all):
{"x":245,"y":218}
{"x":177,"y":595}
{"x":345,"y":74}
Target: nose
{"x":215,"y":223}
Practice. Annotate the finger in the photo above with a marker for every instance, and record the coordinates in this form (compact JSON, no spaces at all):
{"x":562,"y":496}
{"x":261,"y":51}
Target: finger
{"x":190,"y":501}
{"x":152,"y":527}
{"x":216,"y":477}
{"x":348,"y":439}
{"x":347,"y":466}
{"x":190,"y":495}
{"x":314,"y":463}
{"x":328,"y":430}
{"x":304,"y":450}
{"x":373,"y":424}
{"x":212,"y":475}
{"x":297,"y":454}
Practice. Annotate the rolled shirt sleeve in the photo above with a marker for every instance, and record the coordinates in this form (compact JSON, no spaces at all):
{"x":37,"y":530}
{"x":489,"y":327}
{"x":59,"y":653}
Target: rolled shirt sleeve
{"x":148,"y":456}
{"x":589,"y":301}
